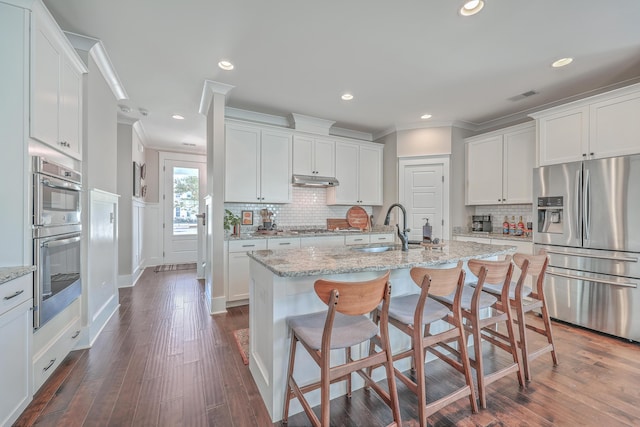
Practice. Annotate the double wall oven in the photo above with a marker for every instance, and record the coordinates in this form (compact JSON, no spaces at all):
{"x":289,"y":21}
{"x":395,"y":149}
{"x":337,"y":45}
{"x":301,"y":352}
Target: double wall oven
{"x":56,"y":238}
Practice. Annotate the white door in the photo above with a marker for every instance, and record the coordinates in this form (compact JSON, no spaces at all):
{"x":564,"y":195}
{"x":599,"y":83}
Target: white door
{"x":421,"y":193}
{"x":183,"y":190}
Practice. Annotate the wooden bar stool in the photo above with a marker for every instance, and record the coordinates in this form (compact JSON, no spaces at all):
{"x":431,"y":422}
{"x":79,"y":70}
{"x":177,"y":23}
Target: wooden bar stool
{"x":481,"y":325}
{"x":341,"y":327}
{"x":524,"y":299}
{"x":407,"y":311}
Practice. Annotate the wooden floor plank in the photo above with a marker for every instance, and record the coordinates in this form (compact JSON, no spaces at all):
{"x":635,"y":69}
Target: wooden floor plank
{"x":164,"y":360}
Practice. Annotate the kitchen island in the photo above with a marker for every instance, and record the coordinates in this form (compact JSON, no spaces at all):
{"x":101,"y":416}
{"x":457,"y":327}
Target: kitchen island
{"x":281,"y":285}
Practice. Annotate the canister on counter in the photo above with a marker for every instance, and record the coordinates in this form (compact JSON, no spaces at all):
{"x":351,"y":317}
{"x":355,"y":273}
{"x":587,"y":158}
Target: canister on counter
{"x":426,"y":232}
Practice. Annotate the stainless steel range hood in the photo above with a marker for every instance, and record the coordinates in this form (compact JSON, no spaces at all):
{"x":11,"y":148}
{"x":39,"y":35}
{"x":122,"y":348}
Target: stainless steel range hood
{"x":314,"y":181}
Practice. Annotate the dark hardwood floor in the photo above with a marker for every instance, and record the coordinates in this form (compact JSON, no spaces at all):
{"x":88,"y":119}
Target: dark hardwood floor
{"x":162,"y":360}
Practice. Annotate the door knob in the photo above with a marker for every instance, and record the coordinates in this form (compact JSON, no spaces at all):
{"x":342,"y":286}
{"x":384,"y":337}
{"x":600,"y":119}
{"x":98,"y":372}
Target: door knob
{"x":203,"y":215}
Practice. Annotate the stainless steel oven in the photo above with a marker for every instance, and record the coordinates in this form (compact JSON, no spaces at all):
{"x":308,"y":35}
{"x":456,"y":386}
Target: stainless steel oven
{"x":57,"y":231}
{"x":56,"y":194}
{"x":57,"y":280}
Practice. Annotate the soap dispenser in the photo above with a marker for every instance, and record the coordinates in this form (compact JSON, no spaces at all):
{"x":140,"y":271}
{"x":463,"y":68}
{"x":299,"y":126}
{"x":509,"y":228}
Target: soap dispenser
{"x":426,"y":232}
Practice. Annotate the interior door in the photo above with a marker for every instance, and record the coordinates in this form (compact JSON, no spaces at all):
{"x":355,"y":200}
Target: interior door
{"x":422,"y":196}
{"x":183,"y":191}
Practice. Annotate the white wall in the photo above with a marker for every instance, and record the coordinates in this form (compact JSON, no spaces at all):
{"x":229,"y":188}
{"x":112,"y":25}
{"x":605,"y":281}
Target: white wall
{"x":125,"y":190}
{"x":390,"y":177}
{"x":434,"y":141}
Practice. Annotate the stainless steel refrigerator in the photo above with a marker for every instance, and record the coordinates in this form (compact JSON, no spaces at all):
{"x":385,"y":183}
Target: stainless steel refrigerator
{"x":587,"y":218}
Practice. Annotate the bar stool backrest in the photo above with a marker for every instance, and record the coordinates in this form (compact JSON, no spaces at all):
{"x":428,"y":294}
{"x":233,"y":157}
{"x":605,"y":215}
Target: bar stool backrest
{"x":443,"y":281}
{"x":497,"y":272}
{"x":537,"y":263}
{"x":353,"y":299}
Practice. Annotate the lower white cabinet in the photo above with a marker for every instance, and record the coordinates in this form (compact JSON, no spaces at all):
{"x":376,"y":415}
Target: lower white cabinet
{"x":53,"y":342}
{"x":322,"y":241}
{"x":238,"y":267}
{"x":16,"y":326}
{"x":383,"y":238}
{"x":284,"y":243}
{"x":484,"y":240}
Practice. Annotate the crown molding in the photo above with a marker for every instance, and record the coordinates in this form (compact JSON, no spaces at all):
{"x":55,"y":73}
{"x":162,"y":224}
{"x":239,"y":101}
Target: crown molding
{"x":353,"y":134}
{"x":253,"y":116}
{"x":310,"y":124}
{"x":211,"y":87}
{"x":138,"y":127}
{"x":126,"y":120}
{"x":99,"y":54}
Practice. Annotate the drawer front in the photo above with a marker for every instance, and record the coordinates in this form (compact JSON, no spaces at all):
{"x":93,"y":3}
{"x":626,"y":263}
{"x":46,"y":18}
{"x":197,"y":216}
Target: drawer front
{"x":356,"y":240}
{"x":289,"y":243}
{"x":15,"y":292}
{"x":383,"y":238}
{"x":247,"y":245}
{"x":47,"y":362}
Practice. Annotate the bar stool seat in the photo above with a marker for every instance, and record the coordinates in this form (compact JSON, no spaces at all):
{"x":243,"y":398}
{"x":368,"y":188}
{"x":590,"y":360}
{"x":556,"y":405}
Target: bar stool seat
{"x":485,"y":300}
{"x":497,"y":289}
{"x":402,"y":308}
{"x":347,"y":331}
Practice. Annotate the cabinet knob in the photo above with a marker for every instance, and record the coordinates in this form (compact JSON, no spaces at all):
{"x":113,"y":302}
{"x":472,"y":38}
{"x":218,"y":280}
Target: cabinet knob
{"x":584,"y":154}
{"x":591,"y":154}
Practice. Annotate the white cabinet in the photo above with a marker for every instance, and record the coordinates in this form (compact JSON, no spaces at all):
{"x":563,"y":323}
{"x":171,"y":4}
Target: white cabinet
{"x":604,"y":125}
{"x":485,"y":240}
{"x":53,"y":341}
{"x":257,"y":165}
{"x":284,"y":243}
{"x":499,"y":166}
{"x":357,"y":239}
{"x":56,"y":88}
{"x":322,"y":241}
{"x":382,"y":238}
{"x":16,"y":323}
{"x":359,"y":171}
{"x":238,"y":267}
{"x":313,"y":156}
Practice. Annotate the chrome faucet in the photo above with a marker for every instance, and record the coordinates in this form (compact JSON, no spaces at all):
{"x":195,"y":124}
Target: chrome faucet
{"x":404,"y":234}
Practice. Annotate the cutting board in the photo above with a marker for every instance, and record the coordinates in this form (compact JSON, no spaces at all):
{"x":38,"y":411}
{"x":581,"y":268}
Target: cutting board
{"x":357,"y":217}
{"x":341,"y":223}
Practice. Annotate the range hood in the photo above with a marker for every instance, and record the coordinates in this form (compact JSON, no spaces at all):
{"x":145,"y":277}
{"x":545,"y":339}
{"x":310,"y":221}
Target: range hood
{"x":314,"y":181}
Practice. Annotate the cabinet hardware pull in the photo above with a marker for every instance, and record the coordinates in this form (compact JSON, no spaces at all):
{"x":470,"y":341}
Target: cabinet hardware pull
{"x":610,"y":258}
{"x":357,"y":240}
{"x":74,"y":336}
{"x":49,"y":365}
{"x":248,"y":246}
{"x":14,"y":295}
{"x":288,"y":243}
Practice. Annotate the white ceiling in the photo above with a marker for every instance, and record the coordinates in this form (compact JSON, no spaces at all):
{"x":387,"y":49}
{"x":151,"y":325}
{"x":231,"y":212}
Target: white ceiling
{"x":400,"y":59}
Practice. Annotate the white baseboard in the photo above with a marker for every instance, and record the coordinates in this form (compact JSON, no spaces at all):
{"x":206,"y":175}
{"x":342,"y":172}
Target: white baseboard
{"x":129,"y":280}
{"x":217,"y":305}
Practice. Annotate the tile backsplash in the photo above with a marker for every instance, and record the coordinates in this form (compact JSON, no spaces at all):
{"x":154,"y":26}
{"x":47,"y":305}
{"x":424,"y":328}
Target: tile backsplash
{"x":498,"y":212}
{"x":308,"y":209}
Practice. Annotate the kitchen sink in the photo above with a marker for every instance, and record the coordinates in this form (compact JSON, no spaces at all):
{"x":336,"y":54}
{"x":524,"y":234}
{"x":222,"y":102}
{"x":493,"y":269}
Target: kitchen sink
{"x":373,"y":248}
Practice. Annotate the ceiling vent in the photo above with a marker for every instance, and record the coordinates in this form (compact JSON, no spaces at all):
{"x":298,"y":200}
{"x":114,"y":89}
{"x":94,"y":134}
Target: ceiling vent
{"x":523,"y":95}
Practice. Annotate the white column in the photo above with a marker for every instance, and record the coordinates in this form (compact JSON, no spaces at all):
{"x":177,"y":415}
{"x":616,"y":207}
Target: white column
{"x":212,"y":105}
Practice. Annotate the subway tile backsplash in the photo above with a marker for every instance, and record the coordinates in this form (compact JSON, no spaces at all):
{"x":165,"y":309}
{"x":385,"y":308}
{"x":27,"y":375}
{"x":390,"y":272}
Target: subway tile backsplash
{"x":309,"y":209}
{"x":498,"y":212}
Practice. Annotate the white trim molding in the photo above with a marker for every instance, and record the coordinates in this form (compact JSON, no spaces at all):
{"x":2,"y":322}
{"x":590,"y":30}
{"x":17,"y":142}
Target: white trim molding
{"x":211,"y":87}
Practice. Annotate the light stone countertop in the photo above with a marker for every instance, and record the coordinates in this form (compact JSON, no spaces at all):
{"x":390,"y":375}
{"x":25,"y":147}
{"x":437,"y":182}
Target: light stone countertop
{"x":314,"y":261}
{"x":494,"y":235}
{"x":10,"y":273}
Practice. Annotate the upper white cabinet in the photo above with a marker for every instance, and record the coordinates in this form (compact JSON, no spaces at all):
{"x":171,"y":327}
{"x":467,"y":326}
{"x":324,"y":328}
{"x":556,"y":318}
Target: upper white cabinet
{"x":313,"y":156}
{"x":56,"y":87}
{"x":258,"y":165}
{"x":604,"y":125}
{"x":500,"y":165}
{"x":359,"y":172}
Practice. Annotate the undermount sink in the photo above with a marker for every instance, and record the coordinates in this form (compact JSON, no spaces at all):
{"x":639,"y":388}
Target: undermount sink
{"x":373,"y":248}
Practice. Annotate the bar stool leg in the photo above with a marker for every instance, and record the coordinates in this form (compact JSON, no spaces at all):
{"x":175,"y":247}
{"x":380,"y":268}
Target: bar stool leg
{"x":522,"y":329}
{"x":547,"y":327}
{"x":514,"y":346}
{"x":292,"y":358}
{"x":464,"y":359}
{"x":477,"y":349}
{"x":418,"y":362}
{"x":347,"y":356}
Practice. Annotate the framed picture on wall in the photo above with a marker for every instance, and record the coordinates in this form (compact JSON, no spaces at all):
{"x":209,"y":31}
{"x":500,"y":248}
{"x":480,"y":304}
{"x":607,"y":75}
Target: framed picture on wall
{"x":137,"y":173}
{"x":247,"y":217}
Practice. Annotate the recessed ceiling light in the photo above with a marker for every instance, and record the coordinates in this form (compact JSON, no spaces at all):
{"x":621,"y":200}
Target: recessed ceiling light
{"x":347,"y":97}
{"x":178,"y":117}
{"x":225,"y":65}
{"x":425,"y":116}
{"x":562,"y":62}
{"x":471,"y":7}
